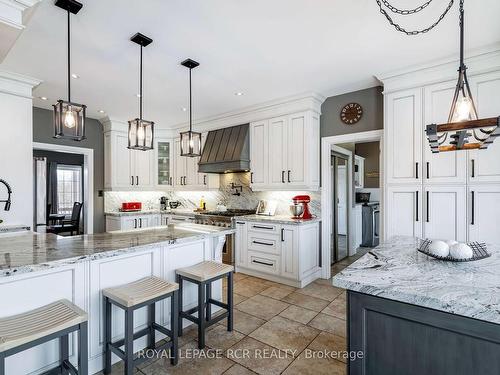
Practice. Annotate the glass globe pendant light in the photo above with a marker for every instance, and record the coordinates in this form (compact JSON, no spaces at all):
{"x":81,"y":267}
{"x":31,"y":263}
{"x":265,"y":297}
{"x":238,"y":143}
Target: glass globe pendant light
{"x":69,"y":117}
{"x":190,"y":140}
{"x":140,"y":131}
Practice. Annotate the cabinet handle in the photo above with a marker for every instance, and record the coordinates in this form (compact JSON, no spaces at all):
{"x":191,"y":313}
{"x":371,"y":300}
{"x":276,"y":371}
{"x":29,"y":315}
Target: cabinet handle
{"x":427,"y":206}
{"x":131,"y":180}
{"x":289,"y":172}
{"x":204,"y":179}
{"x":137,"y":180}
{"x":135,"y":223}
{"x":416,"y":170}
{"x":427,"y":167}
{"x":282,"y":235}
{"x":240,"y":223}
{"x":262,"y":243}
{"x":283,"y":177}
{"x":264,"y":263}
{"x":416,"y":201}
{"x":140,"y":223}
{"x":472,"y":211}
{"x":185,"y":183}
{"x":473,"y":174}
{"x":261,"y":227}
{"x":251,"y":177}
{"x":170,"y":180}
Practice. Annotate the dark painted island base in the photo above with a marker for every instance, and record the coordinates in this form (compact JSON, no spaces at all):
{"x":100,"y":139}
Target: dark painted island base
{"x":399,"y":338}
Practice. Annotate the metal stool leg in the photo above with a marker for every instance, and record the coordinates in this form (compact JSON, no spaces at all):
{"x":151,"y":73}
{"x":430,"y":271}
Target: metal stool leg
{"x":209,"y":306}
{"x":129,"y":341}
{"x":107,"y":336}
{"x":83,"y":356}
{"x":151,"y":320}
{"x":179,"y":309}
{"x":201,"y":319}
{"x":63,"y":353}
{"x":174,"y":329}
{"x":230,"y":301}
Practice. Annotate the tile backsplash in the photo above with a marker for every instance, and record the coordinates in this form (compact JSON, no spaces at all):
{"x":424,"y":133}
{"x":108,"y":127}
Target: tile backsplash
{"x":247,"y":199}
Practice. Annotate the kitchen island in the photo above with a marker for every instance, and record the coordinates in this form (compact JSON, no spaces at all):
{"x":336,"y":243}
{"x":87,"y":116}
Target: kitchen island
{"x":412,"y":314}
{"x":37,"y":269}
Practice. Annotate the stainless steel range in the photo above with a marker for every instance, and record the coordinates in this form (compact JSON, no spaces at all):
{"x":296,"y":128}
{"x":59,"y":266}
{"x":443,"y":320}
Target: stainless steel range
{"x":223,"y":219}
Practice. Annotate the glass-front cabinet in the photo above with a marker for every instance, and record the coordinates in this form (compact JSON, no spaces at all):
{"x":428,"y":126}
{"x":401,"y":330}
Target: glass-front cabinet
{"x":164,"y":162}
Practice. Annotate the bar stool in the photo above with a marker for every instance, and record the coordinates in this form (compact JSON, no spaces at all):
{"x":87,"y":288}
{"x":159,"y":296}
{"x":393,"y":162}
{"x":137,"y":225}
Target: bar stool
{"x":54,"y":321}
{"x":204,"y":274}
{"x":133,"y":296}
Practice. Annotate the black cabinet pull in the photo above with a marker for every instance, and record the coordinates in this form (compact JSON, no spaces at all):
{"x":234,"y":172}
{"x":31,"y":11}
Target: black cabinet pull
{"x":472,"y":210}
{"x":416,"y":201}
{"x":170,"y":180}
{"x":264,"y":263}
{"x":140,"y":223}
{"x":282,"y":235}
{"x":473,"y":174}
{"x":135,"y":223}
{"x":185,"y":177}
{"x":262,"y":243}
{"x":204,"y":179}
{"x":137,"y":180}
{"x":240,"y":223}
{"x":261,"y":227}
{"x":427,"y":206}
{"x":289,"y":173}
{"x":131,"y":180}
{"x":283,"y":177}
{"x":416,"y":170}
{"x":427,"y":167}
{"x":251,"y":177}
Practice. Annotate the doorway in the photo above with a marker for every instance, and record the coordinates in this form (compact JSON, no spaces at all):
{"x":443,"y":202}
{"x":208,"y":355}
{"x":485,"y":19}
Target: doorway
{"x":340,"y":229}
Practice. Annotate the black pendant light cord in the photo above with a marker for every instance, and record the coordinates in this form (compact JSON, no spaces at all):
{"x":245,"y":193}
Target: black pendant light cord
{"x":190,"y":102}
{"x":69,"y":57}
{"x":140,"y":88}
{"x":461,"y":18}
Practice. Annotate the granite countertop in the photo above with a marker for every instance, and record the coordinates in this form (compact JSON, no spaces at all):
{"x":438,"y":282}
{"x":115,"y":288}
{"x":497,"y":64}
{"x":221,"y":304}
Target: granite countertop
{"x":395,"y":270}
{"x":278,"y":219}
{"x":30,"y":251}
{"x":177,"y":211}
{"x":14,"y":228}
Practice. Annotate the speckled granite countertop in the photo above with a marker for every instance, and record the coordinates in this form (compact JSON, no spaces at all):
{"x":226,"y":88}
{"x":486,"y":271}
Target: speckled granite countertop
{"x":177,"y":211}
{"x":13,"y":228}
{"x":31,"y":251}
{"x":395,"y":270}
{"x":278,"y":219}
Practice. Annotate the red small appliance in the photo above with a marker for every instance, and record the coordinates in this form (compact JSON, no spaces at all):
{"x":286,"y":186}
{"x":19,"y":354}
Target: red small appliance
{"x":131,"y":206}
{"x":304,"y":200}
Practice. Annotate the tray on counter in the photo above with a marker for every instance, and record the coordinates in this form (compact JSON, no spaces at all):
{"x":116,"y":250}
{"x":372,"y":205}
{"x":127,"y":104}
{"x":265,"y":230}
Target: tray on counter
{"x":479,"y":251}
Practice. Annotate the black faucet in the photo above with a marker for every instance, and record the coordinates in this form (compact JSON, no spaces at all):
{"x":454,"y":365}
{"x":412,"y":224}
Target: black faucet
{"x":9,"y":192}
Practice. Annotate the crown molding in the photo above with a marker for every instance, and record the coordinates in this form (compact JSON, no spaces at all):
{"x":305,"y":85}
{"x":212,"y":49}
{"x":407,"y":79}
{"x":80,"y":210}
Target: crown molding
{"x":17,"y":84}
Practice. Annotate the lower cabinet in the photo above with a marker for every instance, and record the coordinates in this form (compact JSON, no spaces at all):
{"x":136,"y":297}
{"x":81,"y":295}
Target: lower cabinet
{"x":404,"y":211}
{"x":131,"y":222}
{"x":484,"y":206}
{"x":279,"y":252}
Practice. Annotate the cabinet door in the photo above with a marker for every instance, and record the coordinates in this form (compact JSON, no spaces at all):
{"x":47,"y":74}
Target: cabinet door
{"x":445,"y":167}
{"x":290,"y":251}
{"x":445,"y":213}
{"x":121,"y":159}
{"x":404,"y":211}
{"x":180,"y":165}
{"x":164,"y":163}
{"x":240,"y":244}
{"x":296,"y":150}
{"x":129,"y":223}
{"x":404,"y":133}
{"x":278,"y":151}
{"x":484,"y":206}
{"x":484,"y":165}
{"x":202,"y":177}
{"x":259,"y":153}
{"x":143,"y":168}
{"x":191,"y":171}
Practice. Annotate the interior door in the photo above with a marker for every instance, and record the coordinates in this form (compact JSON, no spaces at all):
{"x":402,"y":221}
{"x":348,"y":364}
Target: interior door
{"x":297,"y":151}
{"x":445,"y":167}
{"x":259,"y":153}
{"x":404,"y":216}
{"x":278,"y":151}
{"x":484,"y":206}
{"x":445,"y":213}
{"x":340,"y":210}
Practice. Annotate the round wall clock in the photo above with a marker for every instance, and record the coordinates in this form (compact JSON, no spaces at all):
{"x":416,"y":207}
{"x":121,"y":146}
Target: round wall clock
{"x":351,"y":113}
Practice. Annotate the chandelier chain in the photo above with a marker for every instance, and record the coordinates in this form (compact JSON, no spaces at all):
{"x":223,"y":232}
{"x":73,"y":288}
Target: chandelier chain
{"x":413,"y":11}
{"x":406,"y":12}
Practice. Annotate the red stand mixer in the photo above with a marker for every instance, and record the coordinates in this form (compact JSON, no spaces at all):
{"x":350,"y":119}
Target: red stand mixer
{"x":302,"y":202}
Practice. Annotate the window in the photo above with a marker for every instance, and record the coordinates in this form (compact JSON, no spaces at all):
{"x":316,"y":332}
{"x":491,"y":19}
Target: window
{"x":69,"y":188}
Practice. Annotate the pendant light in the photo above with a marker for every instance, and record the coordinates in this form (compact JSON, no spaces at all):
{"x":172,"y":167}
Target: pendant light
{"x":190,"y":140}
{"x":69,"y":117}
{"x":463,"y":120}
{"x":140,"y":131}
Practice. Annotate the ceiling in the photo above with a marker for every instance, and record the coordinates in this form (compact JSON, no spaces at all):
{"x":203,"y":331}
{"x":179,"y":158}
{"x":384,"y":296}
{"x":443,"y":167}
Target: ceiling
{"x":266,"y":49}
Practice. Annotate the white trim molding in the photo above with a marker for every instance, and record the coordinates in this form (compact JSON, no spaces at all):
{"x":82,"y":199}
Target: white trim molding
{"x":17,"y":84}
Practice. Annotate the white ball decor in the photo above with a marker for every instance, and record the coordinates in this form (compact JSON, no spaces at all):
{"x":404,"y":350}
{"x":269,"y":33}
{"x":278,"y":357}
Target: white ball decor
{"x":450,"y":243}
{"x":439,"y":248}
{"x":461,"y":251}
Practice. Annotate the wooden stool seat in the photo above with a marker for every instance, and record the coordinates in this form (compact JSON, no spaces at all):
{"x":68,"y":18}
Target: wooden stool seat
{"x":205,"y":270}
{"x":23,"y":328}
{"x":140,"y":291}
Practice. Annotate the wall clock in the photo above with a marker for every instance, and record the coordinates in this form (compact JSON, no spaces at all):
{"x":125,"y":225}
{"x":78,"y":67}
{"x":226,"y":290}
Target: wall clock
{"x":351,"y":113}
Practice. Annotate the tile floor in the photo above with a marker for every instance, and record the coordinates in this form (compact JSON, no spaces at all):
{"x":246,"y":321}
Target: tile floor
{"x":282,"y":330}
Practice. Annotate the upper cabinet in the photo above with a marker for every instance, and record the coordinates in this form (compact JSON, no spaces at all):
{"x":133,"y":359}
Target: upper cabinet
{"x":284,"y":152}
{"x":164,"y":167}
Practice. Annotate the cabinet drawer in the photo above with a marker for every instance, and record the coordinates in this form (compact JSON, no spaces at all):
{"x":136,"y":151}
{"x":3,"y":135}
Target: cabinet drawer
{"x":266,"y":243}
{"x":263,"y":262}
{"x":264,"y":228}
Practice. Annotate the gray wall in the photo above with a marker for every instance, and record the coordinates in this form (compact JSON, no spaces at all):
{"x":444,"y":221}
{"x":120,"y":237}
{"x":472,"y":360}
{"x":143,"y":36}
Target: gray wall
{"x":43,"y":131}
{"x":373,"y":108}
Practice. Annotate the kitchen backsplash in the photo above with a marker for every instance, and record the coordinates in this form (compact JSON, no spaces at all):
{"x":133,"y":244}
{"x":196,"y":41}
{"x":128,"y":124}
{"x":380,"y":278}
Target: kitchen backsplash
{"x":190,"y":199}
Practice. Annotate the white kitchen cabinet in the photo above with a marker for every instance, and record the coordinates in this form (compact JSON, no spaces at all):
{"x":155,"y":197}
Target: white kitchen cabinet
{"x":359,"y":172}
{"x":484,"y":206}
{"x":126,"y":169}
{"x":403,"y":132}
{"x":358,"y":225}
{"x":444,"y":167}
{"x":164,"y":163}
{"x":285,"y":253}
{"x":445,"y":212}
{"x":404,"y":211}
{"x":131,"y":222}
{"x":285,"y":153}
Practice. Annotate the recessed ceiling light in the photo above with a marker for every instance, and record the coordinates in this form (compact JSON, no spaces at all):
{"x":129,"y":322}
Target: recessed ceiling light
{"x":184,"y":109}
{"x":75,"y":76}
{"x":239,"y":93}
{"x":43,"y":97}
{"x":101,"y":111}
